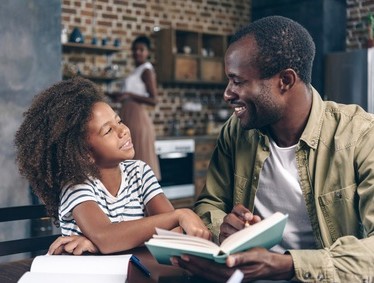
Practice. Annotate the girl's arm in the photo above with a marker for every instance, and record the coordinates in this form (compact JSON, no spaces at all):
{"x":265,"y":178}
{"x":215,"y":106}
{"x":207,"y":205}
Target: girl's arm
{"x":74,"y":244}
{"x":161,"y":205}
{"x":111,"y":237}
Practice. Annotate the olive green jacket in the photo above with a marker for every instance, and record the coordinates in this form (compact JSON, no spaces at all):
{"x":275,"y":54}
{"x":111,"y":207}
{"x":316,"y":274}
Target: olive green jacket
{"x":335,"y":162}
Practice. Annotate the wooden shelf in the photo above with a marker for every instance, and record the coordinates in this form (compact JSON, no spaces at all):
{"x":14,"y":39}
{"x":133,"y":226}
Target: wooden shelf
{"x":98,"y":79}
{"x":93,"y":50}
{"x":190,"y":57}
{"x":70,"y":46}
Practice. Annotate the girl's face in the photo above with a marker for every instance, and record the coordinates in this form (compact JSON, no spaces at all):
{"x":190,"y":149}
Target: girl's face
{"x":108,"y":137}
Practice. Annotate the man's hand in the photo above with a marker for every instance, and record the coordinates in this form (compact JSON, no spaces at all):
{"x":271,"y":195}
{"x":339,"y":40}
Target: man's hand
{"x":256,"y":263}
{"x":236,"y":220}
{"x":76,"y":245}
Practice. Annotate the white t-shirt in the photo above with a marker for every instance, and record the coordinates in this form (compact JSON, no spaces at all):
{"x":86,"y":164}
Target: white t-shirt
{"x":138,"y":187}
{"x":279,"y":190}
{"x":133,"y":82}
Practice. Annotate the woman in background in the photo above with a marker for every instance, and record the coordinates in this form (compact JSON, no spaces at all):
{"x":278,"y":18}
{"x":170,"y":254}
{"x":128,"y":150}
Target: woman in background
{"x":140,"y":90}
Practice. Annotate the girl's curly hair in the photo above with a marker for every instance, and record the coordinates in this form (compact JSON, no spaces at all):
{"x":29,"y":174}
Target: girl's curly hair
{"x":51,"y":144}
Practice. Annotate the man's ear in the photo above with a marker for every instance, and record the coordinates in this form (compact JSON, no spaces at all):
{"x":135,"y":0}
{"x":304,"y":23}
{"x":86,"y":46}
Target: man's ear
{"x":287,"y":79}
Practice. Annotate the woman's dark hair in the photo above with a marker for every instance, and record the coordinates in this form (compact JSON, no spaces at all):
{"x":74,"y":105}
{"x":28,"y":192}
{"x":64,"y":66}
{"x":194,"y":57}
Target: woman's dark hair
{"x":143,"y":40}
{"x":282,"y":43}
{"x":51,"y":143}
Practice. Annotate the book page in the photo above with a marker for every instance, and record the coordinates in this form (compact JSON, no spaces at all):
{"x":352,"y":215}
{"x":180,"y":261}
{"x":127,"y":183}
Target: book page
{"x":182,"y":245}
{"x":245,"y":235}
{"x":97,"y":264}
{"x":43,"y":277}
{"x":265,"y":234}
{"x":187,"y":239}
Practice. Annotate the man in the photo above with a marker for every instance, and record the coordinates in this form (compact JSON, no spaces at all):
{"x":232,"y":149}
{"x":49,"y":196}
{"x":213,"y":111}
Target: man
{"x":285,"y":149}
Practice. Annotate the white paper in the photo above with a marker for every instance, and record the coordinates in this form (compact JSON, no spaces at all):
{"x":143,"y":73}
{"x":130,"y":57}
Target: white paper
{"x":70,"y":268}
{"x":44,"y":277}
{"x":98,"y":264}
{"x":236,"y":277}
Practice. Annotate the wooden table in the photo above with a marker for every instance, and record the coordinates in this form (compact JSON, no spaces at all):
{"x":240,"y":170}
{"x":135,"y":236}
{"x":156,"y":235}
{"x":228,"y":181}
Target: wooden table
{"x":11,"y":272}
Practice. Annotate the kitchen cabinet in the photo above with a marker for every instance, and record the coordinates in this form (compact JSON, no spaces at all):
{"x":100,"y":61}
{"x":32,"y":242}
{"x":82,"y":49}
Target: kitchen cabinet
{"x":104,"y":76}
{"x":204,"y":147}
{"x":190,"y":57}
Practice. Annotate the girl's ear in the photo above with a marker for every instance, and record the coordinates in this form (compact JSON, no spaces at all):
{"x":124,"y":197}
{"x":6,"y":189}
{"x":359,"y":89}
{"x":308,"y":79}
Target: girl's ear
{"x":91,"y":159}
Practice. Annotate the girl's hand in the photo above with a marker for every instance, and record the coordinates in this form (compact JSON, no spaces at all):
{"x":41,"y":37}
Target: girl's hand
{"x":192,"y":224}
{"x":75,"y":245}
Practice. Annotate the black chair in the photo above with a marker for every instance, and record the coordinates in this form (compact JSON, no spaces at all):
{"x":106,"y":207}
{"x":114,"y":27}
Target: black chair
{"x":33,"y":243}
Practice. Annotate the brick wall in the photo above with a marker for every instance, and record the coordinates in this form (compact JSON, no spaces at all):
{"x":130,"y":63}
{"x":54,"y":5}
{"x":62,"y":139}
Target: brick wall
{"x":357,"y":22}
{"x":125,"y":19}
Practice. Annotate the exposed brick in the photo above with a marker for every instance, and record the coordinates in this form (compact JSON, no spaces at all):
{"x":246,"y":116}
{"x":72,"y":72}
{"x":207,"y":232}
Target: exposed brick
{"x":125,"y":19}
{"x":109,"y":16}
{"x":139,"y":5}
{"x":68,"y":11}
{"x":105,"y":23}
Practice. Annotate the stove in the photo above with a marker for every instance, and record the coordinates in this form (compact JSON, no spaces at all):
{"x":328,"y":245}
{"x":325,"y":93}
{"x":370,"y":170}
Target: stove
{"x":176,"y":157}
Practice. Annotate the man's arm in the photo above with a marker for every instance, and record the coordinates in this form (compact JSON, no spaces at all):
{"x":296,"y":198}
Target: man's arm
{"x":216,"y":198}
{"x":348,"y":259}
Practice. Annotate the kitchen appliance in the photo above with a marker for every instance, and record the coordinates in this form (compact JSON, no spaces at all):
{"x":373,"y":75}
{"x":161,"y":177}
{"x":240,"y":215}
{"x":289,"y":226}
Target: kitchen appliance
{"x":176,"y":157}
{"x":349,"y":78}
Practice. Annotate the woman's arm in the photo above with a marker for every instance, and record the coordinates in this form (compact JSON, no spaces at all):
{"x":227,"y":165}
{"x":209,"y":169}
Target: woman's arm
{"x":149,"y":79}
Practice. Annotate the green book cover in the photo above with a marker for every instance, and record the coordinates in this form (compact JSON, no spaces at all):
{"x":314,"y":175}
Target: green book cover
{"x":265,"y":233}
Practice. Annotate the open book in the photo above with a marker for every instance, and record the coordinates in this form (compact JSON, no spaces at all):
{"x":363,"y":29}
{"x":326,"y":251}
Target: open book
{"x":265,"y":233}
{"x":70,"y":268}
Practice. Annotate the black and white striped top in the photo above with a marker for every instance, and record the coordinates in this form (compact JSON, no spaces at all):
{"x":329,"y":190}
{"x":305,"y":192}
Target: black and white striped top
{"x":138,"y":186}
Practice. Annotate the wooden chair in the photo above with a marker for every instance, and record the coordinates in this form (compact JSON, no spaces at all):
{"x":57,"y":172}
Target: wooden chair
{"x":30,"y":244}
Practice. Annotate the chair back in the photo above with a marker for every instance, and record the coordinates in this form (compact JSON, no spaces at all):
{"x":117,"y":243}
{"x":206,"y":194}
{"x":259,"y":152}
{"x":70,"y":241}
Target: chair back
{"x":30,"y":244}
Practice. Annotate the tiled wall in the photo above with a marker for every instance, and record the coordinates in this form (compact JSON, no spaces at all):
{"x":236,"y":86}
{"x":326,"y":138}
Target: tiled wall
{"x":357,"y":22}
{"x":125,"y":19}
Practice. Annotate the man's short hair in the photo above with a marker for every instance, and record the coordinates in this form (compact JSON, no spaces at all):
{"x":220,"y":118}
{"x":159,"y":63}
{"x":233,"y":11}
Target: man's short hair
{"x":282,"y":43}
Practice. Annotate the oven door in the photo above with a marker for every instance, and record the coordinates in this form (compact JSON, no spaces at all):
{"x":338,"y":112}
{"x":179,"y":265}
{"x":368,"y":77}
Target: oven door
{"x":177,"y":174}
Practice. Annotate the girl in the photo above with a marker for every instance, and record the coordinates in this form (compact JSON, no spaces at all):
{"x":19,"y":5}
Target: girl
{"x":76,"y":153}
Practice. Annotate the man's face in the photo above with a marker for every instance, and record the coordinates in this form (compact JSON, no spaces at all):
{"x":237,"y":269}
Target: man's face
{"x":254,"y":100}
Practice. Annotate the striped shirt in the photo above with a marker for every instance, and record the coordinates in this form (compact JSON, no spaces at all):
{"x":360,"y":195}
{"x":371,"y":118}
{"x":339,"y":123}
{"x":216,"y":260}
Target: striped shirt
{"x":138,"y":187}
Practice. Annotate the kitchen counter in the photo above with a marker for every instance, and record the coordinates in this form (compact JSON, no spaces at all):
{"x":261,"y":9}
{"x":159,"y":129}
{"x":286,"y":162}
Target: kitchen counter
{"x":196,"y":138}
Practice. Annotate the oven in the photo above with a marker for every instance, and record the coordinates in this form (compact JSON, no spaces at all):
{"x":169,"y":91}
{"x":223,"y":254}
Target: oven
{"x":176,"y":159}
